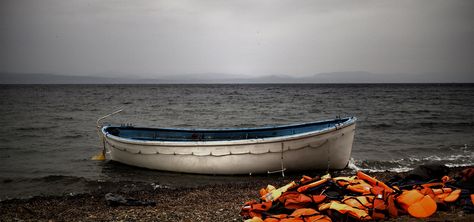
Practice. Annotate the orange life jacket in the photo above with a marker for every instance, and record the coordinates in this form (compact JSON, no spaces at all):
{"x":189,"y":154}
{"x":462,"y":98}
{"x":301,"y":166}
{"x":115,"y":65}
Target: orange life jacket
{"x":374,"y":182}
{"x":254,"y":209}
{"x":353,"y":184}
{"x":344,"y":181}
{"x":359,"y":202}
{"x":294,"y":200}
{"x":305,"y":179}
{"x":453,"y":196}
{"x":440,"y":193}
{"x":379,"y":208}
{"x":423,"y":208}
{"x":442,"y":190}
{"x":299,"y":215}
{"x":254,"y":219}
{"x":266,"y":190}
{"x":362,"y":188}
{"x":275,"y":194}
{"x":417,"y":204}
{"x":392,"y":208}
{"x":303,"y":188}
{"x":376,"y":201}
{"x":317,"y":199}
{"x":345,"y":209}
{"x":433,"y":185}
{"x":275,"y":218}
{"x":306,"y":215}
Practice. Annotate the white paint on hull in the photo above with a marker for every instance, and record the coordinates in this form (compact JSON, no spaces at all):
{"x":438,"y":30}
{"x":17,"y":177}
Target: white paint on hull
{"x":315,"y":150}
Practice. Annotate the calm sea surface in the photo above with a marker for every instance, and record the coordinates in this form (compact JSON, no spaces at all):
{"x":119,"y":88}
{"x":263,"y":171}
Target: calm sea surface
{"x":48,"y":132}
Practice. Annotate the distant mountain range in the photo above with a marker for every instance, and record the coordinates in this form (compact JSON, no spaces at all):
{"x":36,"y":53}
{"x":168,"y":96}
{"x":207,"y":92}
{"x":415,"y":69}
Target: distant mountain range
{"x":333,"y":77}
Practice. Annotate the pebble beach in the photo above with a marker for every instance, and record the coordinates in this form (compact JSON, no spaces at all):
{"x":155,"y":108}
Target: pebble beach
{"x":202,"y":203}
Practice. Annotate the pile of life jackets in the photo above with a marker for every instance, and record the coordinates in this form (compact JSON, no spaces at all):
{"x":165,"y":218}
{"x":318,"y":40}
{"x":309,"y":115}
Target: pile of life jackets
{"x":358,"y":198}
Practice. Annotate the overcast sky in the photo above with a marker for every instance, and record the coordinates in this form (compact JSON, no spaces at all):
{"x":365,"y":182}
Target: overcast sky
{"x":248,"y":38}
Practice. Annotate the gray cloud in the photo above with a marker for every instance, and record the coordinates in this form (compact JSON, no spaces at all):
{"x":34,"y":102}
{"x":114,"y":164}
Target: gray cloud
{"x":250,"y":38}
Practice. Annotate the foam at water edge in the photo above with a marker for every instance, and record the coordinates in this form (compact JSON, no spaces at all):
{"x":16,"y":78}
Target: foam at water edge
{"x":351,"y":165}
{"x":462,"y":156}
{"x":458,"y":165}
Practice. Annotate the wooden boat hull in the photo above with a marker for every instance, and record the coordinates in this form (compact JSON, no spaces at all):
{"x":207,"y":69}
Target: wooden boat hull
{"x":330,"y":147}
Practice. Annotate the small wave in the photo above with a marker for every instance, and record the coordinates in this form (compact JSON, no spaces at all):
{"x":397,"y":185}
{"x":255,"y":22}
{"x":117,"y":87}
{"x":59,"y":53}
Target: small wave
{"x":447,"y":158}
{"x":381,"y":126}
{"x":438,"y":150}
{"x":395,"y":169}
{"x":422,"y":123}
{"x":459,"y":157}
{"x":352,"y":165}
{"x":44,"y":179}
{"x":458,"y":164}
{"x":423,"y":111}
{"x":4,"y":140}
{"x":66,"y":118}
{"x":377,"y":166}
{"x":52,"y":178}
{"x":72,"y":136}
{"x":35,"y":128}
{"x":441,"y":124}
{"x":77,"y":109}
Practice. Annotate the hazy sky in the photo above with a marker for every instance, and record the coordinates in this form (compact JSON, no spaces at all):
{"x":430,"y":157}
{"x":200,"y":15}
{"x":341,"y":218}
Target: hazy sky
{"x":249,"y":38}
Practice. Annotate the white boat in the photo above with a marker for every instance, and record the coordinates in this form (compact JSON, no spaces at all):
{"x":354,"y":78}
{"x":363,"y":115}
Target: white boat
{"x":316,"y":145}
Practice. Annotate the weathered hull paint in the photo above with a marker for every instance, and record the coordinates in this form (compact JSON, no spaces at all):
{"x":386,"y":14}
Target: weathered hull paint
{"x":318,"y":150}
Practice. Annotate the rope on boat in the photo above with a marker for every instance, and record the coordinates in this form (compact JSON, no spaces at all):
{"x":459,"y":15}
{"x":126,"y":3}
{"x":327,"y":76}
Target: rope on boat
{"x":282,"y":170}
{"x":110,"y":114}
{"x":101,"y":155}
{"x":219,"y":155}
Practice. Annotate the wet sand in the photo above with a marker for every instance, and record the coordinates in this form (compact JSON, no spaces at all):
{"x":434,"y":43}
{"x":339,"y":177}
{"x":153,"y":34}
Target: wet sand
{"x":209,"y":203}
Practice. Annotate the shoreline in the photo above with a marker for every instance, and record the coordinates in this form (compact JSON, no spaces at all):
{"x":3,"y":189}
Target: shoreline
{"x":217,"y":202}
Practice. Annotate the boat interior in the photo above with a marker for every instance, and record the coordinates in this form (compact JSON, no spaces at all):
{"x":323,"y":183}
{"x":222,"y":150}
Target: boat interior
{"x":163,"y":134}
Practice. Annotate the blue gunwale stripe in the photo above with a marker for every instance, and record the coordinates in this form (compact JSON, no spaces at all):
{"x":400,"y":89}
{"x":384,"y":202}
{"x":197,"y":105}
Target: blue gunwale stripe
{"x":332,"y":125}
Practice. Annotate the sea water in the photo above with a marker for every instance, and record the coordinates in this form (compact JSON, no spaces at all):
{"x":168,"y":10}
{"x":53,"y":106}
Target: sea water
{"x":48,"y":132}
